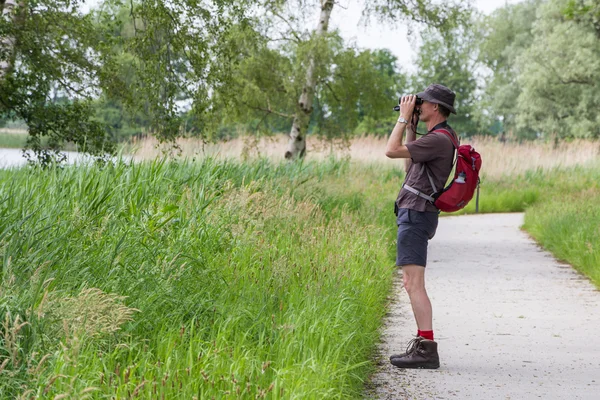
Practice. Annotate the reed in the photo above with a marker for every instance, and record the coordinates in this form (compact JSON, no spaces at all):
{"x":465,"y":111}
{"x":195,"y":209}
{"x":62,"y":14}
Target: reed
{"x":499,"y":159}
{"x":189,"y":280}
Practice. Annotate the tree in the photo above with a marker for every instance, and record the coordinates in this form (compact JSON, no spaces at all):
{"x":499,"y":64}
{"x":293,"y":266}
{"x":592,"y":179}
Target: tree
{"x":171,"y":53}
{"x":560,"y":76}
{"x":586,"y":12}
{"x":315,"y":56}
{"x":505,"y":35}
{"x":359,"y":92}
{"x":50,"y":52}
{"x":450,"y":60}
{"x":297,"y":143}
{"x":358,"y":88}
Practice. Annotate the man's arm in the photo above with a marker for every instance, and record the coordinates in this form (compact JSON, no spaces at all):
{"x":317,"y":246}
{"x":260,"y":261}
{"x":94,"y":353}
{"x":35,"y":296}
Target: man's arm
{"x":395,"y":148}
{"x":411,"y":136}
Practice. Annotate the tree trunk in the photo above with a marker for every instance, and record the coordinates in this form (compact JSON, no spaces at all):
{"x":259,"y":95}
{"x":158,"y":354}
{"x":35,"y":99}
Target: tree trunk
{"x":297,"y":143}
{"x":7,"y":44}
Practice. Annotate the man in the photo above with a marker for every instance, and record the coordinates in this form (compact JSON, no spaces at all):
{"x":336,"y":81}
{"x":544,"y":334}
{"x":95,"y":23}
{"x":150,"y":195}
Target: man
{"x":417,"y":217}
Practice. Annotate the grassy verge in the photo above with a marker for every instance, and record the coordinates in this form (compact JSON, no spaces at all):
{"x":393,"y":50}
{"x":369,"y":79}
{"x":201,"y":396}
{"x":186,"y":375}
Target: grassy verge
{"x":570,"y":229}
{"x":181,"y":280}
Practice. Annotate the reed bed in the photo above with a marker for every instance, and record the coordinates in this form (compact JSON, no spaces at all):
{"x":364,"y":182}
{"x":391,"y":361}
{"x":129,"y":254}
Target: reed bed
{"x":499,"y":158}
{"x":173,"y":280}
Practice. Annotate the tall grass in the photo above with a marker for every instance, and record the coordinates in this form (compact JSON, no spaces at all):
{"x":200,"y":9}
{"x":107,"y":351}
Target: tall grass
{"x":12,"y":139}
{"x":567,"y":222}
{"x":182,"y":280}
{"x":499,"y":159}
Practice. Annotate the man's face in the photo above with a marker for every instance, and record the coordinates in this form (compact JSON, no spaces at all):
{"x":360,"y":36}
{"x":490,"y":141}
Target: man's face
{"x":428,"y":110}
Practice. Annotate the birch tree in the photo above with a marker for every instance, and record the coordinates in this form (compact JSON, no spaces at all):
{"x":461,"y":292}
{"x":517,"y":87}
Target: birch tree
{"x":421,"y":11}
{"x":9,"y":16}
{"x":297,"y":143}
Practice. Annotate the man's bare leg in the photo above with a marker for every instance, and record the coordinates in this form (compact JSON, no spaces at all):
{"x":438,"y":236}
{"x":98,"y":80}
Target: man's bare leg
{"x":422,"y":351}
{"x":414,"y":284}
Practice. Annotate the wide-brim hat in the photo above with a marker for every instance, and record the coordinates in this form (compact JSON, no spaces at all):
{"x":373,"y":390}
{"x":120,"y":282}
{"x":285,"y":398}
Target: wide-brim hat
{"x":439,"y":94}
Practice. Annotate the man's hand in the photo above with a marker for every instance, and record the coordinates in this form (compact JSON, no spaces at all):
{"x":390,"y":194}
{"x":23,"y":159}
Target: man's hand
{"x":395,"y":148}
{"x":407,"y":106}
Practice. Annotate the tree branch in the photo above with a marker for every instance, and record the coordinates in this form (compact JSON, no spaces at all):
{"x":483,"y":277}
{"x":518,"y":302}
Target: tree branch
{"x":268,"y":110}
{"x":568,"y":81}
{"x":332,"y":92}
{"x":292,"y":30}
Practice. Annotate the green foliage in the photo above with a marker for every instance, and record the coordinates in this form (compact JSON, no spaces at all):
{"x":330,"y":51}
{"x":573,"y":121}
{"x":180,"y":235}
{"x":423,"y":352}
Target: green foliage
{"x":121,"y":126}
{"x":586,"y":12}
{"x":359,"y":93}
{"x":173,"y":56}
{"x":53,"y":55}
{"x":443,"y":16}
{"x":155,"y":59}
{"x":353,"y":86}
{"x":355,"y":89}
{"x":449,"y":60}
{"x":544,"y":59}
{"x":241,"y":280}
{"x":559,"y":80}
{"x":503,"y":36}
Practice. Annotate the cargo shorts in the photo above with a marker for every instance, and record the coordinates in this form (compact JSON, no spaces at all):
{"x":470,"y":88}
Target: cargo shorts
{"x":415,"y":228}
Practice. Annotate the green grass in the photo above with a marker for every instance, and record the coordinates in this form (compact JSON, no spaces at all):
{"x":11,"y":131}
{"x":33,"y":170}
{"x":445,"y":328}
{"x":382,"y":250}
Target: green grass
{"x":568,"y":225}
{"x":237,"y":281}
{"x":221,"y":279}
{"x":9,"y":140}
{"x":13,"y":140}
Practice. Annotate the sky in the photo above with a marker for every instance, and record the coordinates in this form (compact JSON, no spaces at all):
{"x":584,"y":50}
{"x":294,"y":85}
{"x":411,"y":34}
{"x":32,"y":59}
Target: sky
{"x":346,"y":17}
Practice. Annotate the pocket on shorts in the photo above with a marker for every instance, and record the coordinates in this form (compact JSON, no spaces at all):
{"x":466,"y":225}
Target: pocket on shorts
{"x":403,"y":216}
{"x":427,"y":221}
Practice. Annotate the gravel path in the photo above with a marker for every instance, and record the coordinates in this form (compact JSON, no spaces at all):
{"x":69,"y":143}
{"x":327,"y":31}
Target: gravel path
{"x":511,"y":322}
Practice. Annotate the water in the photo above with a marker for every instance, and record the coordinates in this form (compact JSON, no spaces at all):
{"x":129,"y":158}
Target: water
{"x":13,"y":158}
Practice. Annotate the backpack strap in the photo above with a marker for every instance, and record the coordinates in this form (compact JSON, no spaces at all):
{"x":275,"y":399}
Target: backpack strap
{"x":420,"y":194}
{"x":431,"y":198}
{"x":451,"y":136}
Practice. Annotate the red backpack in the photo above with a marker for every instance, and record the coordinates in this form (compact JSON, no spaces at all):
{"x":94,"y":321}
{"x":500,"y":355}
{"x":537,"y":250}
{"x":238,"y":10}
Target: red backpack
{"x":466,"y":178}
{"x":460,"y":191}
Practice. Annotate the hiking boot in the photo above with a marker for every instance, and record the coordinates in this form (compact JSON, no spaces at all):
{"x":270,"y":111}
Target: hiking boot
{"x":411,"y":347}
{"x":425,"y":355}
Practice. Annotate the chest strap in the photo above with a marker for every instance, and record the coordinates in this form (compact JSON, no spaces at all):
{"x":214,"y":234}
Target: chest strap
{"x":420,"y":194}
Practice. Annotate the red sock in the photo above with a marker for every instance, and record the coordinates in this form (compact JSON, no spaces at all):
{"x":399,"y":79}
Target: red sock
{"x":425,"y":334}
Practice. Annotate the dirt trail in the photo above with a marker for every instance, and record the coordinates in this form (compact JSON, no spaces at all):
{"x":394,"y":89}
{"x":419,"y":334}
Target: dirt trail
{"x":511,"y":322}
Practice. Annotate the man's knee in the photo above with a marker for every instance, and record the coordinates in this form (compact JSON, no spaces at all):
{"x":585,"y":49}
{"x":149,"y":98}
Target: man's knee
{"x":413,"y":277}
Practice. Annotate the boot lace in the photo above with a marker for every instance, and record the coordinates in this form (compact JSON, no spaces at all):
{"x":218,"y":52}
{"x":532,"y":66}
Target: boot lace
{"x":413,"y":345}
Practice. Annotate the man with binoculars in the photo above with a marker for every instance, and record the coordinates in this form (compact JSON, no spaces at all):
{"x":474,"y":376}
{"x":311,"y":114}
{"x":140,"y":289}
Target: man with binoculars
{"x":428,"y":163}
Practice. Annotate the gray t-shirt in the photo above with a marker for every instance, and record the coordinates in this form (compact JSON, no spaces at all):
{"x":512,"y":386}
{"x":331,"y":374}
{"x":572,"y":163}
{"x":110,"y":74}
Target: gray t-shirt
{"x":437,"y":151}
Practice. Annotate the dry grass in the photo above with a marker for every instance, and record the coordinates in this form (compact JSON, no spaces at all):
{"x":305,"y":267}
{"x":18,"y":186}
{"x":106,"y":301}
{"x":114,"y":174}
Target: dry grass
{"x":499,"y":159}
{"x":92,"y":312}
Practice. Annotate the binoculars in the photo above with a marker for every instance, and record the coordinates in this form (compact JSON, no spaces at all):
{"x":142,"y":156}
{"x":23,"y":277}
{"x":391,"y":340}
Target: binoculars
{"x":418,"y":103}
